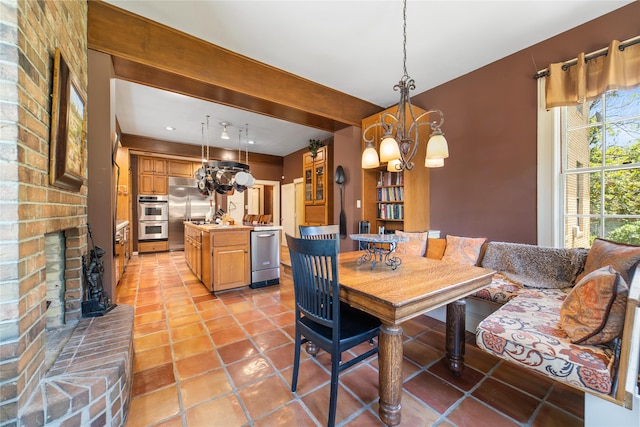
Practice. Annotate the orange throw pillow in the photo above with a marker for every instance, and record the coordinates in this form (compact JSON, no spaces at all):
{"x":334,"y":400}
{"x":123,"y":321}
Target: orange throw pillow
{"x":593,"y":312}
{"x":463,"y":249}
{"x":435,"y":248}
{"x":623,"y":258}
{"x":417,"y":244}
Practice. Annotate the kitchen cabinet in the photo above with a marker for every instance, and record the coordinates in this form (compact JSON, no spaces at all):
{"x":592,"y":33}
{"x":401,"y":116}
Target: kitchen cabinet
{"x":152,"y":175}
{"x":153,"y":246}
{"x":318,"y":187}
{"x":193,"y":249}
{"x":180,"y":168}
{"x":152,"y":184}
{"x":396,"y":200}
{"x":229,"y":263}
{"x":152,"y":165}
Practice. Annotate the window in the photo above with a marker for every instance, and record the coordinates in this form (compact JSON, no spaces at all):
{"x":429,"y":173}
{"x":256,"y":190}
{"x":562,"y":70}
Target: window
{"x":600,"y":169}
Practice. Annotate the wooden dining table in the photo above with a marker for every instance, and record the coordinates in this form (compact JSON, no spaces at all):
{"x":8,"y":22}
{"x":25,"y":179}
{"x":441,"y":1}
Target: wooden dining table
{"x":394,"y":296}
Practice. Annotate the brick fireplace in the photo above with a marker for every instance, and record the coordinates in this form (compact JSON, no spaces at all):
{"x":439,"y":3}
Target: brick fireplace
{"x":63,"y":272}
{"x":43,"y":232}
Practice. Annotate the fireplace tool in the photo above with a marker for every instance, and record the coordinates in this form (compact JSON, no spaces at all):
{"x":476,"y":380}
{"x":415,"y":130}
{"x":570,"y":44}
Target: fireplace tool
{"x":96,"y":300}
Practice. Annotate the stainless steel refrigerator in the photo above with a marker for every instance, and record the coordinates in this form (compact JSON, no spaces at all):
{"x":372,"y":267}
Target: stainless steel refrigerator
{"x":186,"y":203}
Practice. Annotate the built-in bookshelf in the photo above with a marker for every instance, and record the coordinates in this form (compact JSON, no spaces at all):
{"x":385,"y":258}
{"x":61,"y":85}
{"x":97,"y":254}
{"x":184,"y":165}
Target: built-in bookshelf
{"x":395,"y":200}
{"x":390,"y":196}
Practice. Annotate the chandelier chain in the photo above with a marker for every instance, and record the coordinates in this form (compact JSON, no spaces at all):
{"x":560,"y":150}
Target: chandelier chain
{"x":404,"y":37}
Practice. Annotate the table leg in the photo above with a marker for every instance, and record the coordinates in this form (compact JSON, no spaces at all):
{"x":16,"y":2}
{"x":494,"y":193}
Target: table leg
{"x":390,"y":373}
{"x":455,"y":333}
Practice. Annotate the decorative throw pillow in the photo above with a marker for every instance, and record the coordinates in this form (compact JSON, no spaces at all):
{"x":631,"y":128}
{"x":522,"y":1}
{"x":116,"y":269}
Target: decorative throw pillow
{"x":622,"y":257}
{"x":417,"y":244}
{"x":593,"y":312}
{"x":463,"y":249}
{"x":435,"y":248}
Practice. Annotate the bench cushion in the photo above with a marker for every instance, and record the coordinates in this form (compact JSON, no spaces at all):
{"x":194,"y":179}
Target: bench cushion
{"x":527,"y":331}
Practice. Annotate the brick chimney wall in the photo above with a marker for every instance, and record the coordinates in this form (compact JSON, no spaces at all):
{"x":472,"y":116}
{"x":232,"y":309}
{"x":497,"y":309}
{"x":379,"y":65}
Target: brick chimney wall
{"x":29,"y":206}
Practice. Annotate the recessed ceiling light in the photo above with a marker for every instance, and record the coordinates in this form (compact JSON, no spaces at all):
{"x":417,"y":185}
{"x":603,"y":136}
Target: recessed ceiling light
{"x":251,"y":141}
{"x":169,"y":128}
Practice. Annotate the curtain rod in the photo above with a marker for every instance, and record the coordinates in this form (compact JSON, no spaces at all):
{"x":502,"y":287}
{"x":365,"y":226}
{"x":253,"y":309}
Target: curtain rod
{"x":590,"y":56}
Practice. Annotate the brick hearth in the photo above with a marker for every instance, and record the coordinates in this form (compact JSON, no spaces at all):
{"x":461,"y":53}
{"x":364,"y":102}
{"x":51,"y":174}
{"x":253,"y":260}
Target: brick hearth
{"x":90,"y":381}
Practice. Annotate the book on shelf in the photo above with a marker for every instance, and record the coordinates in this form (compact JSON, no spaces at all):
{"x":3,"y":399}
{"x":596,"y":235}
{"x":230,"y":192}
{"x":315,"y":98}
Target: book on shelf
{"x":391,"y":211}
{"x":390,"y":178}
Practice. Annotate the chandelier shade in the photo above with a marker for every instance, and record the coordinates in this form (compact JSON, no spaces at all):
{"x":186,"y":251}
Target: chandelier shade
{"x":433,"y":163}
{"x":389,"y":149}
{"x":401,"y":136}
{"x":394,"y":165}
{"x":437,"y":147}
{"x":370,"y":158}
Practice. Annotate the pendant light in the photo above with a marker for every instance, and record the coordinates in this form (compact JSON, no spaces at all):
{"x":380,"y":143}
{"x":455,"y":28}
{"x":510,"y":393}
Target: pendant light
{"x":401,"y":135}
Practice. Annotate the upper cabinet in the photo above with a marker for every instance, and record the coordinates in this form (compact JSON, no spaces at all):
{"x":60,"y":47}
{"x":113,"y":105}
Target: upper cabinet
{"x":153,"y":173}
{"x":180,"y":168}
{"x":152,"y":176}
{"x":396,"y":200}
{"x":318,"y":188}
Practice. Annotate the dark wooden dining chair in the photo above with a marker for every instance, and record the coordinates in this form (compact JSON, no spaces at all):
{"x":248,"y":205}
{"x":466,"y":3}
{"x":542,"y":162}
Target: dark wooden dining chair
{"x":321,"y":317}
{"x":321,"y":232}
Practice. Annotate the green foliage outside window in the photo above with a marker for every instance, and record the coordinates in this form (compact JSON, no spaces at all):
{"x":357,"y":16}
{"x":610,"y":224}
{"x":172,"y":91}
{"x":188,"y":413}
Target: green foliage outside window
{"x":620,"y":168}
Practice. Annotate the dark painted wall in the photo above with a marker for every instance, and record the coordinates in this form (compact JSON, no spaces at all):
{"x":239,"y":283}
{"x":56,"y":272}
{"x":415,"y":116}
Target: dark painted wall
{"x":488,"y":185}
{"x":347,"y":152}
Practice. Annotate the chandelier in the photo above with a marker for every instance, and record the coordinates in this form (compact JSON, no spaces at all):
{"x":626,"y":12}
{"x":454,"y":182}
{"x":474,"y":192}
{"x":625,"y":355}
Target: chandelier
{"x":222,"y":177}
{"x":401,"y":135}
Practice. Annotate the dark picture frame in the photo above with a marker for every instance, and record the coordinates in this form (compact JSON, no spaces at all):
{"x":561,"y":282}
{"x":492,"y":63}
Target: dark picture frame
{"x":68,"y":121}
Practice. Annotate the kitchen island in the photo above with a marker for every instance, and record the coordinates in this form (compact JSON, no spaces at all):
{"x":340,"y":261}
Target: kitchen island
{"x":221,"y":256}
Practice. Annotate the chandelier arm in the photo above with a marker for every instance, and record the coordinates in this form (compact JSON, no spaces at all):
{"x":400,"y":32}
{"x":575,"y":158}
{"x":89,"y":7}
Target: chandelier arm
{"x":364,"y":133}
{"x":388,"y":126}
{"x":434,"y":124}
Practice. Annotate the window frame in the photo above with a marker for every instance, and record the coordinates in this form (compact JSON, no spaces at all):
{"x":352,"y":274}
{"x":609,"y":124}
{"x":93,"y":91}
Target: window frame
{"x":552,"y":180}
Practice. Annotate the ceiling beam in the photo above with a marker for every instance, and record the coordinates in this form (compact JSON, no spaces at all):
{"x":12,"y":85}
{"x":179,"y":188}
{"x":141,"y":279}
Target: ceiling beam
{"x":150,"y":53}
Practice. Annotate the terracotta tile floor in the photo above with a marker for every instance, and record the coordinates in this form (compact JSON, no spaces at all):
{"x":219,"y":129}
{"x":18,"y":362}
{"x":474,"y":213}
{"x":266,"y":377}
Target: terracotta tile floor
{"x":226,"y":360}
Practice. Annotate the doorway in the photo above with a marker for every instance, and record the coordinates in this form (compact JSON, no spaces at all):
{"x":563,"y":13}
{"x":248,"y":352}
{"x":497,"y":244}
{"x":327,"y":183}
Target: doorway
{"x":264,"y":199}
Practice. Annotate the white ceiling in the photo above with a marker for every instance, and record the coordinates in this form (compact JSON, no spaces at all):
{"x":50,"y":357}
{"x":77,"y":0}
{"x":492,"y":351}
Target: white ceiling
{"x":351,"y":46}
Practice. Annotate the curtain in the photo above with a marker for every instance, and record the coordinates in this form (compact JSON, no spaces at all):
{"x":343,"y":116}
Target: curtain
{"x":590,"y":78}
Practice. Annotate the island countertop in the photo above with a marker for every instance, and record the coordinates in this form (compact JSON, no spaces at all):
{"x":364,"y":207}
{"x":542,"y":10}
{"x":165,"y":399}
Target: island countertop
{"x":236,"y":227}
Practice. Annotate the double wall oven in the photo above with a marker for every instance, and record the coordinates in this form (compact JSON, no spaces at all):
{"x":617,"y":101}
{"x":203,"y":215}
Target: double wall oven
{"x":153,"y":218}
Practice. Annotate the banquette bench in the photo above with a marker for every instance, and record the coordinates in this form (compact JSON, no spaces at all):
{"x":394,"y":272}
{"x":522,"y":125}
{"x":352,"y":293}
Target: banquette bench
{"x":570,"y":317}
{"x":570,"y":314}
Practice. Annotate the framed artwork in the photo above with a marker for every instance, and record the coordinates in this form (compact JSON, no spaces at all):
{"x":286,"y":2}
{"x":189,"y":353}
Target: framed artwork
{"x":68,"y":121}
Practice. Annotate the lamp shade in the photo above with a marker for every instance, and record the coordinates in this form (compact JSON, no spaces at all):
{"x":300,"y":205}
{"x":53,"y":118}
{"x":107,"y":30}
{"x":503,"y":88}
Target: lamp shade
{"x":389,"y":149}
{"x":370,"y":157}
{"x":225,"y":134}
{"x":437,"y":147}
{"x":433,"y":163}
{"x":394,"y":165}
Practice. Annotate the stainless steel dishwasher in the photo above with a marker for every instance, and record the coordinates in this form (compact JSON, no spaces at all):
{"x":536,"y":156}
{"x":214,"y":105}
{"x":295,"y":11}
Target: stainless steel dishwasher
{"x":265,"y":257}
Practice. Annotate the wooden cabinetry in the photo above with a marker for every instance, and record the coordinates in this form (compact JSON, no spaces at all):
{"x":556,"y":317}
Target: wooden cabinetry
{"x":154,"y":246}
{"x":180,"y":168}
{"x":152,"y":175}
{"x":193,"y":249}
{"x":318,"y":187}
{"x":226,"y":259}
{"x":396,"y":200}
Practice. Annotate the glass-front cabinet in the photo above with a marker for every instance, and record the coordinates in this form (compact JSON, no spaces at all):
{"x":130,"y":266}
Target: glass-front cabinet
{"x":317,"y":187}
{"x":315,"y":177}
